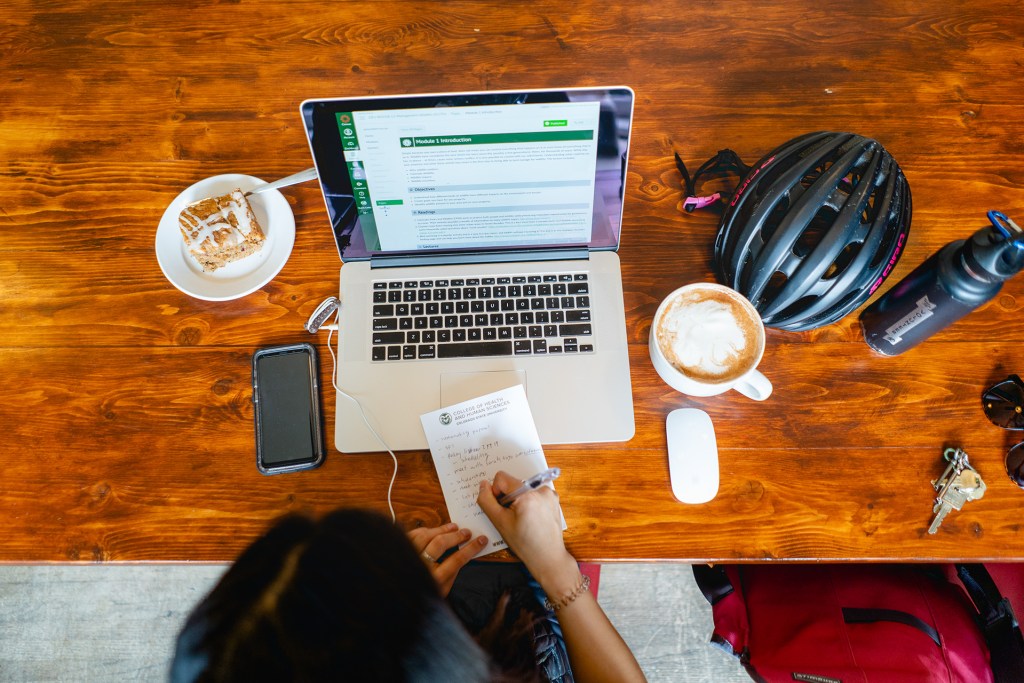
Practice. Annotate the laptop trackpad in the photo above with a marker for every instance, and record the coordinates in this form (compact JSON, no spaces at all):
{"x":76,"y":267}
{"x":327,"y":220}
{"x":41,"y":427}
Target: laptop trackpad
{"x":457,"y":387}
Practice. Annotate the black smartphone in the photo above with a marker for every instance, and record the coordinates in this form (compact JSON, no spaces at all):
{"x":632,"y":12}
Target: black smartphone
{"x":286,"y":402}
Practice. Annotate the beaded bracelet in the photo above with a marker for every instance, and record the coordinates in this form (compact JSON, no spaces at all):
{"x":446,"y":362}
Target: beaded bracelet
{"x":584,"y":585}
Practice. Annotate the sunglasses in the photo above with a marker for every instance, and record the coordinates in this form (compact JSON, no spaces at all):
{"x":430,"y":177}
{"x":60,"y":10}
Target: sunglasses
{"x":1004,"y":407}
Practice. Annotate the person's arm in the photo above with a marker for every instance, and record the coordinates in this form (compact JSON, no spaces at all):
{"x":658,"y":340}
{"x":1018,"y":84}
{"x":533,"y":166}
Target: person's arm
{"x":532,"y":527}
{"x":433,"y":542}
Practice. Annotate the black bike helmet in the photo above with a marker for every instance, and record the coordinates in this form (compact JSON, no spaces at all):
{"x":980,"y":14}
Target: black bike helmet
{"x":814,"y":228}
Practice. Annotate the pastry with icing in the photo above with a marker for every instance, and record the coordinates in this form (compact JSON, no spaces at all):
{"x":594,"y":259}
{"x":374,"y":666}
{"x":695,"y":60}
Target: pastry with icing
{"x":219,"y":230}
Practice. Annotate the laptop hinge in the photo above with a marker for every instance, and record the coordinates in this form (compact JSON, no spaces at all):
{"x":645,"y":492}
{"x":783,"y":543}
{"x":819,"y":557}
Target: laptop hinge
{"x":480,"y":257}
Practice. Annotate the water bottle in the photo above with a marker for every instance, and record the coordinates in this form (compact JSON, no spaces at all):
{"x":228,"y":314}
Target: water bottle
{"x":950,"y":284}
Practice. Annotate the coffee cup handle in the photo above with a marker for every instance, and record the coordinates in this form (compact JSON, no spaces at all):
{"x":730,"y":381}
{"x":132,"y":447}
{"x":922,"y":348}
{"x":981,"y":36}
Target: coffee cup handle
{"x":754,"y":385}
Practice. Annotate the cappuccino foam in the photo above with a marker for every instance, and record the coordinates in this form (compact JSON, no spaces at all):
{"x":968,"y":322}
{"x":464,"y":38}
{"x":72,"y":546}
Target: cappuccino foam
{"x":710,"y":335}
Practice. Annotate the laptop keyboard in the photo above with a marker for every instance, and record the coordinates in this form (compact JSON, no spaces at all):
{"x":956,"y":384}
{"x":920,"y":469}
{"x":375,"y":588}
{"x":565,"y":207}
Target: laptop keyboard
{"x":510,"y":315}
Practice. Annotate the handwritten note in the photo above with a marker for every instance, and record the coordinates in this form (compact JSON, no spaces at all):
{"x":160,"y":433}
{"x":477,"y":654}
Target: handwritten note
{"x":471,"y":441}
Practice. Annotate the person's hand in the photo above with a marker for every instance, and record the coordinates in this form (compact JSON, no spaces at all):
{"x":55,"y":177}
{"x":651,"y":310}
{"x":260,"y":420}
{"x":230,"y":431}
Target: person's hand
{"x":532,"y":527}
{"x":431,"y":543}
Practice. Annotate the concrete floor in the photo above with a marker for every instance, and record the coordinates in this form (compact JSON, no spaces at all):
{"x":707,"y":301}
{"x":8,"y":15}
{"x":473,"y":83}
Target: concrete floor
{"x":87,"y":623}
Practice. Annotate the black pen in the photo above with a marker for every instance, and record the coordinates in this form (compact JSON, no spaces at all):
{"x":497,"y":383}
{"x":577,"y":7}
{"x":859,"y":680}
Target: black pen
{"x":530,"y":484}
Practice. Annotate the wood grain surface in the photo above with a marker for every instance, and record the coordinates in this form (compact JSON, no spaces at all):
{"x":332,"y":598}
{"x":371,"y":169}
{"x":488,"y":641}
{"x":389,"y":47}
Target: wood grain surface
{"x":126,"y":420}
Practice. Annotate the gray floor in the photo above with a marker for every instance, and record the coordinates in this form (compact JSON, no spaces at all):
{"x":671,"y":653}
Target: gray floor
{"x":118,"y":623}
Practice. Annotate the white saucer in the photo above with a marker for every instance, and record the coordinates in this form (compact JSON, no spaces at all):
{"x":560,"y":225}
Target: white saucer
{"x":238,"y":278}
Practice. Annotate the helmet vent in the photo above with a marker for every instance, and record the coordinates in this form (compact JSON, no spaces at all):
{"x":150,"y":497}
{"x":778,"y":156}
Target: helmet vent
{"x":815,"y":231}
{"x":842,"y":261}
{"x":774,"y":285}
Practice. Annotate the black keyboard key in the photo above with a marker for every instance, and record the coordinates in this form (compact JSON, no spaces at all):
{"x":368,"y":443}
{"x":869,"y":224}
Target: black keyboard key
{"x":476,"y":306}
{"x":519,"y":332}
{"x":405,"y":323}
{"x":436,"y":321}
{"x":402,"y":309}
{"x":388,"y":337}
{"x":394,"y":352}
{"x":534,"y":278}
{"x":473,"y":334}
{"x":540,"y":346}
{"x":420,"y":323}
{"x":447,"y":308}
{"x":541,"y":317}
{"x":536,"y":331}
{"x":508,"y":305}
{"x":459,"y":335}
{"x":514,"y":291}
{"x":440,"y":283}
{"x":551,"y":302}
{"x":493,"y":305}
{"x":526,"y":318}
{"x":440,"y":294}
{"x":504,"y":333}
{"x":462,"y":307}
{"x":429,"y":336}
{"x":490,"y":333}
{"x":522,"y":304}
{"x":579,"y":288}
{"x":426,"y":283}
{"x":559,"y":289}
{"x":385,"y":324}
{"x":472,"y":282}
{"x":379,"y":353}
{"x":383,"y":311}
{"x":583,"y":302}
{"x":480,"y":319}
{"x":537,"y":304}
{"x":474,"y":349}
{"x":571,"y":348}
{"x":504,"y":280}
{"x":578,"y":316}
{"x":423,"y":295}
{"x":410,"y":284}
{"x":433,"y":308}
{"x":495,"y":319}
{"x":427,"y":351}
{"x":380,"y":285}
{"x":586,"y":348}
{"x":394,"y":285}
{"x":394,"y":296}
{"x":458,"y":283}
{"x":558,"y":316}
{"x":451,"y":321}
{"x":488,"y":281}
{"x":511,"y":318}
{"x":408,"y":352}
{"x":412,"y":337}
{"x":567,"y":302}
{"x":469,"y":293}
{"x":380,"y":297}
{"x":565,"y":278}
{"x":518,"y":279}
{"x":551,"y":330}
{"x":554,"y":349}
{"x":543,"y":290}
{"x":530,"y":290}
{"x":579,"y":277}
{"x":408,"y":296}
{"x":466,"y":320}
{"x":454,"y":294}
{"x":550,"y":278}
{"x":416,"y":309}
{"x":444,"y":335}
{"x":500,"y":292}
{"x":575,"y":330}
{"x":484,"y":292}
{"x":523,"y":346}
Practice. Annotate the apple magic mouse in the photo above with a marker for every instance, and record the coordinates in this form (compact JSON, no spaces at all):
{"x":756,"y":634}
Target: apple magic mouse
{"x":692,"y":455}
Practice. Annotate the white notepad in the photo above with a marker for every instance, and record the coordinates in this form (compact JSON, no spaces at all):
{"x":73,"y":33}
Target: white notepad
{"x":471,"y":441}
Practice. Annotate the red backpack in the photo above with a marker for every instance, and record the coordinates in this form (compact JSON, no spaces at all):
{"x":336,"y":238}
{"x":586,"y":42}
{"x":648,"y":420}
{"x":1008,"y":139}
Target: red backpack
{"x":864,"y":623}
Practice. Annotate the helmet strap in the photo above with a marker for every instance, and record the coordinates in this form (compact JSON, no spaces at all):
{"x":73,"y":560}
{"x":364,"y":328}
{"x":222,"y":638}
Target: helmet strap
{"x":724,"y":163}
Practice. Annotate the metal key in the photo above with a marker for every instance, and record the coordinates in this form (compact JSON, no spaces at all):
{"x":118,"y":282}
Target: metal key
{"x":959,"y":484}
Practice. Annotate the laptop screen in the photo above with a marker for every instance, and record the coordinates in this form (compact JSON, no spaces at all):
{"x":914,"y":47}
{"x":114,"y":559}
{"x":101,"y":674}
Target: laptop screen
{"x":473,"y":172}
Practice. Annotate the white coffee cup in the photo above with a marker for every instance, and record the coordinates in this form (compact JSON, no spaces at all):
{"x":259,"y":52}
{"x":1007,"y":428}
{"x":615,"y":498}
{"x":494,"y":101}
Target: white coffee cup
{"x":707,"y":339}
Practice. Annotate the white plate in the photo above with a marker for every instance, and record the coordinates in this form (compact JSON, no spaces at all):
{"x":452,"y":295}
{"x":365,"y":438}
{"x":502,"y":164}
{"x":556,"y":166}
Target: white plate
{"x":240,"y":277}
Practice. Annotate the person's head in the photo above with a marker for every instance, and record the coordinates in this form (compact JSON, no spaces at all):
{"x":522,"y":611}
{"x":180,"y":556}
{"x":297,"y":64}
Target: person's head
{"x":342,"y":598}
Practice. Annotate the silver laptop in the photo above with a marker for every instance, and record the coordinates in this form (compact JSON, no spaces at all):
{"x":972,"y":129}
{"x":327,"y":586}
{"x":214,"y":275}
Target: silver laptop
{"x":478,"y":234}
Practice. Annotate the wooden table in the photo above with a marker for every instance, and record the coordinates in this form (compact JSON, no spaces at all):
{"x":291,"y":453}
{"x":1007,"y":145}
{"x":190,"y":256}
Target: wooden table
{"x":125,"y":408}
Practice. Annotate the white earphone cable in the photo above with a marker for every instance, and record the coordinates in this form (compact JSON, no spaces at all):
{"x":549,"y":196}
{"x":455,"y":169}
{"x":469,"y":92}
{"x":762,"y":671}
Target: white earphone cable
{"x":362,"y":413}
